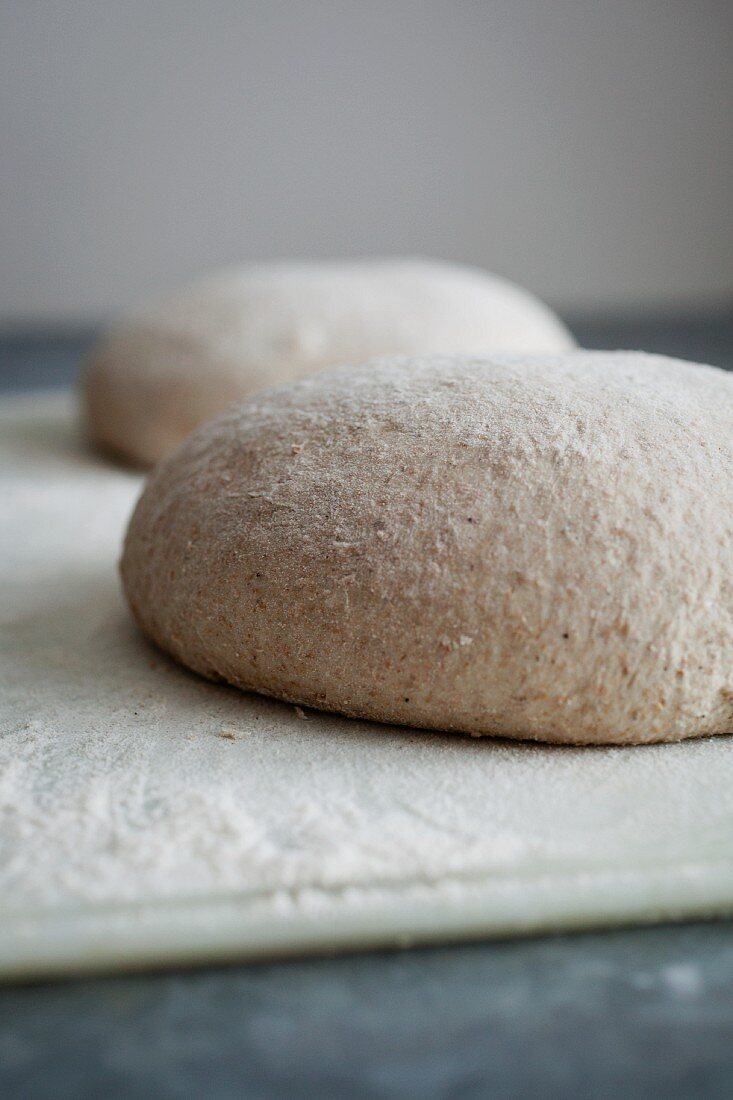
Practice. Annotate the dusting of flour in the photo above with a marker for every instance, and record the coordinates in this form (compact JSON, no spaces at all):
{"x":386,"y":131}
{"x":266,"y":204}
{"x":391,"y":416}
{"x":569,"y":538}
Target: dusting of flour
{"x":126,"y":780}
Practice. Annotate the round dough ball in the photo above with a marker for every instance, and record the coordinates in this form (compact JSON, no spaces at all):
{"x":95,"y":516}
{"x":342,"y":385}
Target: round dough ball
{"x":155,"y":378}
{"x":534,"y":547}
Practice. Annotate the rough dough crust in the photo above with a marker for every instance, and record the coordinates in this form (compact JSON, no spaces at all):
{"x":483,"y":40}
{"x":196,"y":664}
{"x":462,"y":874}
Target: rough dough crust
{"x":534,"y":547}
{"x":155,"y":378}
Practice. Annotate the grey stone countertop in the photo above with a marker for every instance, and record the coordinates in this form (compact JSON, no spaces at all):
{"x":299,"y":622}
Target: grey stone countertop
{"x":645,"y":1012}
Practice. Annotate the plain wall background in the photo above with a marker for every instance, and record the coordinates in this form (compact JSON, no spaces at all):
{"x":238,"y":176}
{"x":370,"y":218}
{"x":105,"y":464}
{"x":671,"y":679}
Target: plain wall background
{"x":581,"y":147}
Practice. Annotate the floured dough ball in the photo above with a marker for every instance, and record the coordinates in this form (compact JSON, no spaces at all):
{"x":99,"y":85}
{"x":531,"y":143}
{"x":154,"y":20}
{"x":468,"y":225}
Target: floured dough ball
{"x":535,"y":547}
{"x":155,"y":378}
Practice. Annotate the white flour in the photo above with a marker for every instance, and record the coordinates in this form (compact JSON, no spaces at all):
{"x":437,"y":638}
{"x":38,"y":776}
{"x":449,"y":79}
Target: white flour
{"x":148,"y":815}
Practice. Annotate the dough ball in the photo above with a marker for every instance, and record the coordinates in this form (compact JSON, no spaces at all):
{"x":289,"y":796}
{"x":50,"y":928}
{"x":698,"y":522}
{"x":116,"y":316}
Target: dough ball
{"x":154,"y":379}
{"x":534,"y":547}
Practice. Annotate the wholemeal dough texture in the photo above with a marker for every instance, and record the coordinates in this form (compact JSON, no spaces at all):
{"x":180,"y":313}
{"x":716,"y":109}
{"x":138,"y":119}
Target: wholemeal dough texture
{"x":155,"y":378}
{"x":533,"y":547}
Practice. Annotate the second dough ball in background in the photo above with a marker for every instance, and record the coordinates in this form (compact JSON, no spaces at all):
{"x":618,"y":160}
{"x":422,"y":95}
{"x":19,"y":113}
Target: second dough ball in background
{"x":154,"y":378}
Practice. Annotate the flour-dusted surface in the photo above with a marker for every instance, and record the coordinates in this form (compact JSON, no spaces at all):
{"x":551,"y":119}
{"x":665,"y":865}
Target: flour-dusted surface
{"x":148,"y":816}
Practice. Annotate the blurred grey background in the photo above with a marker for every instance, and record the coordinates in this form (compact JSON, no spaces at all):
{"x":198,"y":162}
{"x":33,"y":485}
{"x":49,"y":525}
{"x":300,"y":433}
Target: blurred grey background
{"x":581,"y":147}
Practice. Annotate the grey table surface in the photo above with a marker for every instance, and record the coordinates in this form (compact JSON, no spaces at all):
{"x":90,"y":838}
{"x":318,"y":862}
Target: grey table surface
{"x":645,"y":1012}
